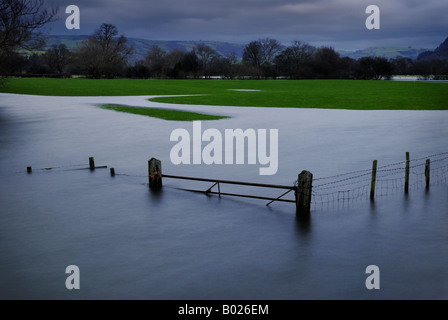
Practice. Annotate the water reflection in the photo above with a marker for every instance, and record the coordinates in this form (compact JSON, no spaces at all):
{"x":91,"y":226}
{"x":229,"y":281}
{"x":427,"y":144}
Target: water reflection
{"x":155,"y":195}
{"x":372,"y":206}
{"x":303,"y":227}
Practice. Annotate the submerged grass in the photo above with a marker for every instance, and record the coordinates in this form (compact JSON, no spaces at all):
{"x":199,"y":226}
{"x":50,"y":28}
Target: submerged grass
{"x":331,"y":94}
{"x":165,"y":114}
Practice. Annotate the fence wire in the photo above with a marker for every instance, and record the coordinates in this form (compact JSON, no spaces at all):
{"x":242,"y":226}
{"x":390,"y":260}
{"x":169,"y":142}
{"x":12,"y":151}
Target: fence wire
{"x":346,"y":188}
{"x":355,"y":186}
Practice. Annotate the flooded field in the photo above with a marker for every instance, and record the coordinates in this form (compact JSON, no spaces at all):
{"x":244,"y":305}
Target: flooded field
{"x":130,"y":243}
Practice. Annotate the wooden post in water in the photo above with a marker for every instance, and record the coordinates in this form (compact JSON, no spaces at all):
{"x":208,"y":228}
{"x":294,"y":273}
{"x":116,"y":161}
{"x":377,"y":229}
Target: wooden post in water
{"x":427,"y":172}
{"x":29,"y":169}
{"x":303,"y":194}
{"x":406,"y":177}
{"x":155,"y":174}
{"x":373,"y":181}
{"x":112,"y":172}
{"x":92,"y":163}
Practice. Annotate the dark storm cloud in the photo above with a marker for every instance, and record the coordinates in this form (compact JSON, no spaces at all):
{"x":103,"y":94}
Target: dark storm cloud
{"x":340,"y":23}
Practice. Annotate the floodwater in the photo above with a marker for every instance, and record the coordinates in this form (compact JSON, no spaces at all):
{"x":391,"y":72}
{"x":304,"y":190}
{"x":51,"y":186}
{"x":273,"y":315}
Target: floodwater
{"x":130,"y":243}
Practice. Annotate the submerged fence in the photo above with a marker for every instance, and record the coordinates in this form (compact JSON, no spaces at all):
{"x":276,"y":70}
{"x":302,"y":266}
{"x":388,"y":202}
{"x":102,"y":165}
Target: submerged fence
{"x":343,"y":188}
{"x":315,"y":193}
{"x":380,"y":181}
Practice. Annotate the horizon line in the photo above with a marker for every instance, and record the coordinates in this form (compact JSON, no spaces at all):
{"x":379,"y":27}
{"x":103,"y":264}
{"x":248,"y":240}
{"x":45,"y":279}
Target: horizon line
{"x":241,"y":44}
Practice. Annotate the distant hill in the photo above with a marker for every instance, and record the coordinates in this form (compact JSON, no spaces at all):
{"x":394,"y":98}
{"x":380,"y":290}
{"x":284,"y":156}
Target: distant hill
{"x":141,"y":47}
{"x":441,"y":52}
{"x":385,"y":52}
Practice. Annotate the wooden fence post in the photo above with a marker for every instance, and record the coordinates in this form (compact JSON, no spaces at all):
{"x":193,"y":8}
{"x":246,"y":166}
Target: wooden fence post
{"x":112,"y":172}
{"x":373,"y":181}
{"x":29,"y":169}
{"x":92,"y":163}
{"x":406,"y":177}
{"x":155,"y":174}
{"x":427,"y":172}
{"x":303,"y":194}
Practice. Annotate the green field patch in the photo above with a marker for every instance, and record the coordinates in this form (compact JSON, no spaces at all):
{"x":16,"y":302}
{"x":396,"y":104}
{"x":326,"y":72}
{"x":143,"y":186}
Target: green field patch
{"x":165,"y":114}
{"x":334,"y":94}
{"x":325,"y":94}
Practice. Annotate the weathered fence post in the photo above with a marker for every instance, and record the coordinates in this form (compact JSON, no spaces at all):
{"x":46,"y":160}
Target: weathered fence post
{"x":92,"y":163}
{"x":112,"y":172}
{"x":427,"y":172}
{"x":406,"y":177}
{"x":303,"y":193}
{"x":29,"y":169}
{"x":373,"y":181}
{"x":155,"y":173}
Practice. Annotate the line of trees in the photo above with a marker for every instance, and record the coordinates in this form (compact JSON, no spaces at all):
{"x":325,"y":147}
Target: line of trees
{"x":106,"y":54}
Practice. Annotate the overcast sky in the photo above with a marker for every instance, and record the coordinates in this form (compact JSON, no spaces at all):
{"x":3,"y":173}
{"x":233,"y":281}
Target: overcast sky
{"x":336,"y":23}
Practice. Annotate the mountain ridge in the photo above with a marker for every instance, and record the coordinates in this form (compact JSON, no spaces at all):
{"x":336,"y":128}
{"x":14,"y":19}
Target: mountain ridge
{"x":441,"y":52}
{"x":141,"y":47}
{"x":388,"y":52}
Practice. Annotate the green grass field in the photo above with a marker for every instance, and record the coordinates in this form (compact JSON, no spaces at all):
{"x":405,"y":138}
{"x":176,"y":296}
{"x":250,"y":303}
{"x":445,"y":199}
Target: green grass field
{"x":334,"y":94}
{"x":173,"y":115}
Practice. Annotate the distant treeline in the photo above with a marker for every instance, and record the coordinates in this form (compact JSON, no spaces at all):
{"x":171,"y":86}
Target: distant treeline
{"x":105,"y":54}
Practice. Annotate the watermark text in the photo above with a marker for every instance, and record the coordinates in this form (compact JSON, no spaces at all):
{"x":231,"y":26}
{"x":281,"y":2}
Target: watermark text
{"x":73,"y":20}
{"x":229,"y":148}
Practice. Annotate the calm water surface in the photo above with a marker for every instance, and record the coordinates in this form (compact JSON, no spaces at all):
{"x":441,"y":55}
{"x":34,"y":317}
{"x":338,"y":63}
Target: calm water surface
{"x":132,"y":244}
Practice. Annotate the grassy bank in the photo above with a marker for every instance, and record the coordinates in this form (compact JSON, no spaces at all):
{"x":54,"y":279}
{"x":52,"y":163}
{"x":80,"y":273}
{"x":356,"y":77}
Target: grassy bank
{"x":165,"y":114}
{"x":335,"y":94}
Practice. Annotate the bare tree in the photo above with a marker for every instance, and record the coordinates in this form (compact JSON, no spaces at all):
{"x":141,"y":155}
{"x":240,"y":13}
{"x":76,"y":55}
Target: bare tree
{"x":230,"y":61}
{"x":58,"y":57}
{"x":190,"y":64}
{"x":269,"y":49}
{"x":252,"y":59}
{"x":20,"y":21}
{"x":260,"y":55}
{"x":155,"y":61}
{"x":89,"y":54}
{"x":252,"y":54}
{"x":301,"y":52}
{"x":373,"y":68}
{"x":205,"y":55}
{"x":104,"y":53}
{"x":327,"y":63}
{"x":173,"y":62}
{"x":294,"y":60}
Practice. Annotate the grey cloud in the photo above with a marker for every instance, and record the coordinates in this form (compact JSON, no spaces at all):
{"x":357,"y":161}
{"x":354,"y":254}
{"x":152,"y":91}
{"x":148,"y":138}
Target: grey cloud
{"x":339,"y":22}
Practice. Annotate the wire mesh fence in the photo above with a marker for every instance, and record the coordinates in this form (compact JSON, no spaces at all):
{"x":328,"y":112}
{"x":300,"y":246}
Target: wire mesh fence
{"x":345,"y":188}
{"x":390,"y":179}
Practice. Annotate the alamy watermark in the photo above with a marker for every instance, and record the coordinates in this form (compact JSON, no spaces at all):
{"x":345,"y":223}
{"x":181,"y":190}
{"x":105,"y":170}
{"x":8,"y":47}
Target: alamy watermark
{"x":73,"y":280}
{"x":373,"y":20}
{"x":73,"y":21}
{"x":227,"y":148}
{"x":373,"y":280}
